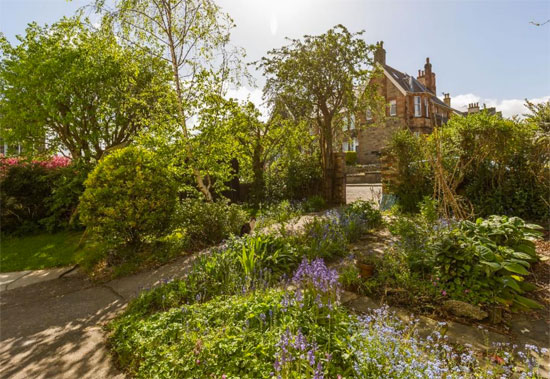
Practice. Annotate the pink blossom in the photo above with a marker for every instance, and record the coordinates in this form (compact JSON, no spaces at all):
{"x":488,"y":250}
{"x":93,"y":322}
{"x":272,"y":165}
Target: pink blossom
{"x":444,"y":293}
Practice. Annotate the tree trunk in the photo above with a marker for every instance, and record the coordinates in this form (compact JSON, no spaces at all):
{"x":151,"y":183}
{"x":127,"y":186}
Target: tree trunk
{"x":327,"y":159}
{"x":173,"y":57}
{"x":258,"y":171}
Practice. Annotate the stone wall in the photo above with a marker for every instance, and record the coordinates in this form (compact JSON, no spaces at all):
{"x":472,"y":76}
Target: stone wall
{"x":372,"y":139}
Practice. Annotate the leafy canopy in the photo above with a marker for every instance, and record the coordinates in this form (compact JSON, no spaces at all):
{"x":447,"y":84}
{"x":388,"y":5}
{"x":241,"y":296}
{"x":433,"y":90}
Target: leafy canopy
{"x":320,"y":79}
{"x":69,"y":87}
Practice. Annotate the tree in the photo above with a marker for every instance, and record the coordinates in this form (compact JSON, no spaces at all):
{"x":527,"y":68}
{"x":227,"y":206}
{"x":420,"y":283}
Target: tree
{"x":261,"y":142}
{"x":192,"y":35}
{"x":539,"y":115}
{"x":74,"y":89}
{"x":212,"y":141}
{"x":320,"y":79}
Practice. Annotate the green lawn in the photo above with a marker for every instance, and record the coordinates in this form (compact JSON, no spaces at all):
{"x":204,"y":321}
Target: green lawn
{"x":39,"y":251}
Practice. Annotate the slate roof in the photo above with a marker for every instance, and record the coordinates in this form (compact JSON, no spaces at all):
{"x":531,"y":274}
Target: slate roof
{"x":408,"y":83}
{"x":411,"y":84}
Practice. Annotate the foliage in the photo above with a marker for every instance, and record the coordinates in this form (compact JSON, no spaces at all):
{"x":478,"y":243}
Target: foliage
{"x":129,"y":198}
{"x":328,"y":236}
{"x":206,"y":224}
{"x":325,"y":237}
{"x":262,"y":143}
{"x":350,"y":277}
{"x":63,"y":202}
{"x":483,"y":262}
{"x":314,"y":79}
{"x":296,"y":173}
{"x":301,"y":332}
{"x":39,"y":195}
{"x":85,"y":92}
{"x":193,"y":37}
{"x":24,"y":189}
{"x":539,"y":115}
{"x":498,"y":166}
{"x":411,"y":179}
{"x":295,"y":176}
{"x":386,"y":347}
{"x":351,"y":158}
{"x":487,"y":261}
{"x":314,"y":203}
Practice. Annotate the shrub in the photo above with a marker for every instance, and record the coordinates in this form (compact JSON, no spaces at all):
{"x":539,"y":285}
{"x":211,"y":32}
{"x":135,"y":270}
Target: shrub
{"x":68,"y":186}
{"x":295,"y":177}
{"x":129,"y":198}
{"x":325,"y":237}
{"x":24,"y":189}
{"x":499,"y":166}
{"x":314,"y":203}
{"x":412,"y":178}
{"x":487,"y":261}
{"x":358,"y":218}
{"x":280,"y":212}
{"x":351,"y":158}
{"x":33,"y":194}
{"x":483,"y":262}
{"x":207,"y":223}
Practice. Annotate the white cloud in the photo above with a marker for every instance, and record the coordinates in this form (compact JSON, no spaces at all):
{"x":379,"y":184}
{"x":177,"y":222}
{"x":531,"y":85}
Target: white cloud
{"x":508,"y":107}
{"x":243,"y":94}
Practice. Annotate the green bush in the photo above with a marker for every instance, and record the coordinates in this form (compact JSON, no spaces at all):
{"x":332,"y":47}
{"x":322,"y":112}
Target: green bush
{"x":294,"y":177}
{"x":314,"y":203}
{"x":36,"y":197}
{"x":205,"y":223}
{"x":325,"y":237}
{"x":483,"y":262}
{"x":412,"y":179}
{"x":68,"y":186}
{"x":351,"y":158}
{"x":487,"y":261}
{"x":222,"y":272}
{"x":129,"y":198}
{"x":24,"y":189}
{"x":501,"y":165}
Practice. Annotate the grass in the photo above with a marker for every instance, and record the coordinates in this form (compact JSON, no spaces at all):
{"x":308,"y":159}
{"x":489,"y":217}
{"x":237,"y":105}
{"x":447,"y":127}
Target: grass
{"x":39,"y":251}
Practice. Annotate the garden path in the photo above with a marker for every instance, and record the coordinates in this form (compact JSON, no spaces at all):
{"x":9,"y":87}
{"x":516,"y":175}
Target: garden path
{"x":54,"y":329}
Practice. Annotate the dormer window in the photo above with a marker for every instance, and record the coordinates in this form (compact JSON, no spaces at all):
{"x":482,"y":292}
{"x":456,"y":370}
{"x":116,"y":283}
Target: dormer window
{"x":417,"y":107}
{"x":393,"y":108}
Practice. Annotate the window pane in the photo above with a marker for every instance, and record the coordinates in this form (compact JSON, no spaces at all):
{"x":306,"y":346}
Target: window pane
{"x":417,"y":108}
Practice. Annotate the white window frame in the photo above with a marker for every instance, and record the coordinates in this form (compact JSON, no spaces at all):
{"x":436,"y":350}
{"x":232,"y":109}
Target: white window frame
{"x":393,"y":108}
{"x":427,"y":107}
{"x":417,"y":107}
{"x":352,"y":122}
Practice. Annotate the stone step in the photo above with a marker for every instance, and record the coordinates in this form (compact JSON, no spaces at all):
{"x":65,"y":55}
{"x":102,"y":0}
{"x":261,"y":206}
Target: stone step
{"x":371,"y":177}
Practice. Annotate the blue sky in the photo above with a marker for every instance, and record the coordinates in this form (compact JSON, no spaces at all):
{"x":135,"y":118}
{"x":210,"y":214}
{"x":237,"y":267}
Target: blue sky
{"x":485,"y":51}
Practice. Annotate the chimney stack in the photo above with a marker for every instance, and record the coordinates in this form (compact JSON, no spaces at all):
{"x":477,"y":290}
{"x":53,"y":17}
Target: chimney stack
{"x":447,"y":99}
{"x":473,"y":108}
{"x":429,"y":76}
{"x":380,"y":53}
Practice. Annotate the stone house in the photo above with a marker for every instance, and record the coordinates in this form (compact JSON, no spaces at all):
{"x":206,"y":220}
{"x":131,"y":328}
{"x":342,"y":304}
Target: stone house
{"x":411,"y":103}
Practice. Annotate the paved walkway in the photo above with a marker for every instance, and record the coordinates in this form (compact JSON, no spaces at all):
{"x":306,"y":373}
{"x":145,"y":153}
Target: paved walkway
{"x":368,"y":192}
{"x":16,"y":279}
{"x":53,"y":329}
